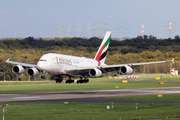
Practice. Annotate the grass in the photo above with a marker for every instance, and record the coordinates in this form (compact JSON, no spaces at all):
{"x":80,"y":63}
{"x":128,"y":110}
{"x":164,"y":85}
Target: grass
{"x":94,"y":84}
{"x":89,"y":111}
{"x":32,"y":87}
{"x":164,"y":77}
{"x":166,"y":97}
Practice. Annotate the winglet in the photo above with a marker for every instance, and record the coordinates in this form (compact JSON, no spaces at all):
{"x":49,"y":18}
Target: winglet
{"x":7,"y":60}
{"x":173,"y":60}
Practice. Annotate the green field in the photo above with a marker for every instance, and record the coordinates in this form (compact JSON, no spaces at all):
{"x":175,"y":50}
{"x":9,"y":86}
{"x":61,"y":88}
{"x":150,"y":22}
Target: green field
{"x":89,"y":111}
{"x":95,"y":84}
{"x":162,"y":77}
{"x":166,"y":97}
{"x":45,"y":86}
{"x":92,"y":111}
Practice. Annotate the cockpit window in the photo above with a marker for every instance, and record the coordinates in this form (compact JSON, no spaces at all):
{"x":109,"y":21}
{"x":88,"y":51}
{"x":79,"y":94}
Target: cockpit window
{"x":42,"y":60}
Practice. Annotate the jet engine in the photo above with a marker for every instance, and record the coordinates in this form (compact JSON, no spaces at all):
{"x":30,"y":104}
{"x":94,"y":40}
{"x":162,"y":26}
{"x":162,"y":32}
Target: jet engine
{"x":32,"y":72}
{"x":125,"y":70}
{"x":18,"y":69}
{"x":95,"y":72}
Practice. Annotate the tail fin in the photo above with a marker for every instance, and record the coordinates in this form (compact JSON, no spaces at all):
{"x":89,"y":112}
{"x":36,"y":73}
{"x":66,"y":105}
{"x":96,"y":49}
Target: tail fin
{"x":101,"y":54}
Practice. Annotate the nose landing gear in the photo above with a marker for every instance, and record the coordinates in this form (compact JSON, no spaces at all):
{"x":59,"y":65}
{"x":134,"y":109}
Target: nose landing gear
{"x":43,"y":77}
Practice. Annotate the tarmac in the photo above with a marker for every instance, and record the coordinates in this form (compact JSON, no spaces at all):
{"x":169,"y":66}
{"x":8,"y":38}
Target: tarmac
{"x":91,"y":95}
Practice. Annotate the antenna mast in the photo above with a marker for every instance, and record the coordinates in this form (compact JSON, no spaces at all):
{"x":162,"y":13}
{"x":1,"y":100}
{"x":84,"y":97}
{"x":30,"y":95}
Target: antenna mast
{"x":143,"y":29}
{"x":170,"y":28}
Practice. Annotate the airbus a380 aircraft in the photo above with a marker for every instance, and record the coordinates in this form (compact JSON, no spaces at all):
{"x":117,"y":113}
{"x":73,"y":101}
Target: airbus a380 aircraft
{"x":81,"y":67}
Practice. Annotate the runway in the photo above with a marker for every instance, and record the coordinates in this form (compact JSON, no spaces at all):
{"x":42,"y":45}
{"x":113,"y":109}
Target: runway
{"x":89,"y":96}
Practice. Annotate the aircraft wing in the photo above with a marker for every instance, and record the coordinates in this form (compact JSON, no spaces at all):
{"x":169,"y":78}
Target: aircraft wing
{"x":110,"y":68}
{"x":23,"y":64}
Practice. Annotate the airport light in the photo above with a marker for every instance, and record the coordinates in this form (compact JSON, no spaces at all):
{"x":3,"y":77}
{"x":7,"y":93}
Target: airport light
{"x":160,"y":95}
{"x":112,"y":105}
{"x":3,"y":107}
{"x":136,"y":106}
{"x":161,"y":83}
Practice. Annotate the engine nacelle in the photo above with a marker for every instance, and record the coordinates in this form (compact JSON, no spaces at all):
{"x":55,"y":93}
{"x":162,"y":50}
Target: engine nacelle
{"x":18,"y":69}
{"x":32,"y":72}
{"x":95,"y":72}
{"x":125,"y":70}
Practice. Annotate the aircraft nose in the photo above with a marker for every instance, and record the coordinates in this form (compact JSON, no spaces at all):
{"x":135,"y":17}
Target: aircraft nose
{"x":40,"y":65}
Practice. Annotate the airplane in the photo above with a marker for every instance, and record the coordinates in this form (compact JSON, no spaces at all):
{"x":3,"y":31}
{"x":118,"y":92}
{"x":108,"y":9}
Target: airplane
{"x":77,"y":67}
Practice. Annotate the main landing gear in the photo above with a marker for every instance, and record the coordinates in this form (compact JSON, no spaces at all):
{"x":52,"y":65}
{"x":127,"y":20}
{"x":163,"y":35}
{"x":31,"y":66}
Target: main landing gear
{"x":83,"y":81}
{"x":78,"y":81}
{"x":59,"y":80}
{"x":70,"y":80}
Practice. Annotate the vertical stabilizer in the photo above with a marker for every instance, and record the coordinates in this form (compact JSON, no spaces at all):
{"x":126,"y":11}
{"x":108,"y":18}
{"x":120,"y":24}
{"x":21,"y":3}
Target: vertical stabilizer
{"x":101,"y":54}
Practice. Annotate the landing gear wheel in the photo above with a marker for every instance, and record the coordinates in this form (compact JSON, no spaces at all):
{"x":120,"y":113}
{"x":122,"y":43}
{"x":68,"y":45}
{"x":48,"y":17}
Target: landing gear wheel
{"x":86,"y":80}
{"x":58,"y":81}
{"x":69,"y":81}
{"x":43,"y":77}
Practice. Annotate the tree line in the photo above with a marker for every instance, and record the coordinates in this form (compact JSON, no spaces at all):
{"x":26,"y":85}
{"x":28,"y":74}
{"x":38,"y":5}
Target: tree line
{"x":140,"y":49}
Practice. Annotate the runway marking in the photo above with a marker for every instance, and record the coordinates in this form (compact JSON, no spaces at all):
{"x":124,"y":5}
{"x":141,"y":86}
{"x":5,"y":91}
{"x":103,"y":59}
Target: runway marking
{"x":26,"y":97}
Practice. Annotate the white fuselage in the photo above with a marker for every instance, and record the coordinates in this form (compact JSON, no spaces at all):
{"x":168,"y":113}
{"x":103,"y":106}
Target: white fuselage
{"x":56,"y":63}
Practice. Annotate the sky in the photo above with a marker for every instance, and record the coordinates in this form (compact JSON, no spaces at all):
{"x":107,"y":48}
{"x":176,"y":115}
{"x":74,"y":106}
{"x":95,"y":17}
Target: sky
{"x":69,"y":18}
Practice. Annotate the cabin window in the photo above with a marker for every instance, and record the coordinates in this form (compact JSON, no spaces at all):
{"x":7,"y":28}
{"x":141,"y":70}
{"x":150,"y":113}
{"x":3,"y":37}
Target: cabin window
{"x":42,"y":60}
